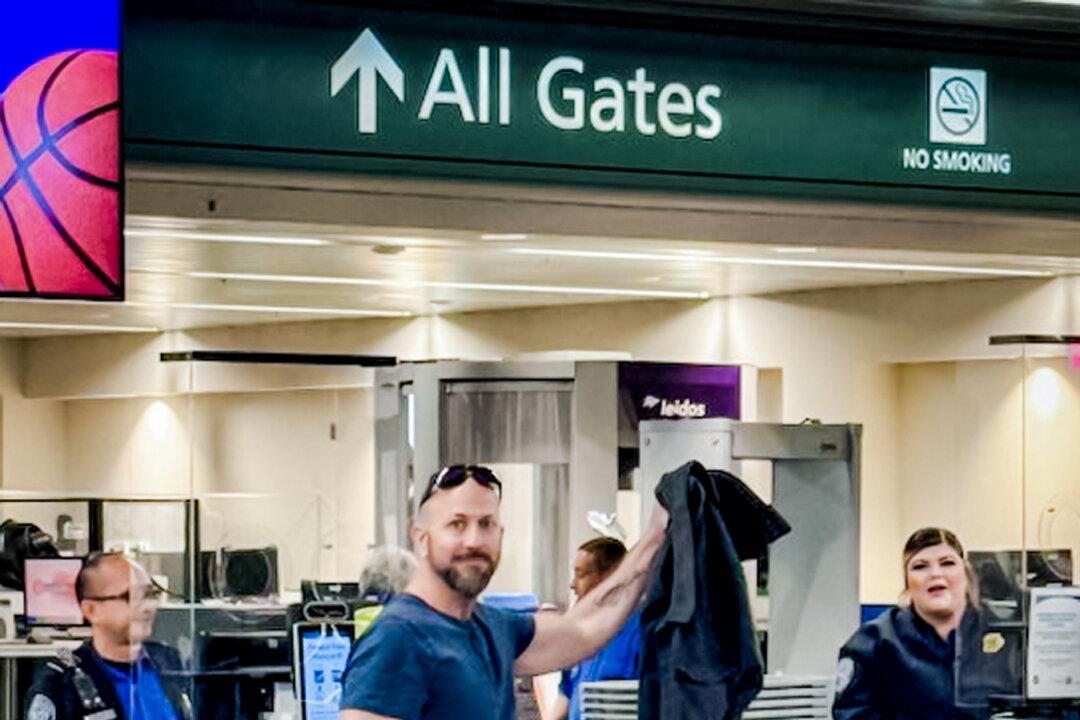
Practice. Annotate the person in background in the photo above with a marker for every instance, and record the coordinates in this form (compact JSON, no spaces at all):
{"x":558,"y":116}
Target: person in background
{"x":387,"y":572}
{"x":437,"y":653}
{"x":618,"y":660}
{"x":118,"y":672}
{"x":901,"y":665}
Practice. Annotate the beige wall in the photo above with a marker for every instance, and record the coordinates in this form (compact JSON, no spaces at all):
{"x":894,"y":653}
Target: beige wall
{"x":303,"y":491}
{"x":32,"y":437}
{"x":967,"y":465}
{"x":852,"y":355}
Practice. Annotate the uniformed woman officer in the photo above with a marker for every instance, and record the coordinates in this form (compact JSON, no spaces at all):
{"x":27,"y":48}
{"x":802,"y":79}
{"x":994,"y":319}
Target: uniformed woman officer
{"x":901,"y":665}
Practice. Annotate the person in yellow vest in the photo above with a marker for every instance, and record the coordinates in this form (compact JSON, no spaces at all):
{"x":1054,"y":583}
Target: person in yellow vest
{"x":387,"y":572}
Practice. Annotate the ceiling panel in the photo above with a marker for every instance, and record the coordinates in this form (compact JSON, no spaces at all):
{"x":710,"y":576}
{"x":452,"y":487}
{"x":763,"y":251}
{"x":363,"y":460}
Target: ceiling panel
{"x":187,"y":273}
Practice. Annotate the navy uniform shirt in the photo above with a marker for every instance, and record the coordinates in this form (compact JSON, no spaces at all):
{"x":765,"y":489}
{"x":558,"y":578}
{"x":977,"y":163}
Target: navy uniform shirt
{"x":618,"y":660}
{"x":897,"y":667}
{"x":150,"y":689}
{"x":415,"y":663}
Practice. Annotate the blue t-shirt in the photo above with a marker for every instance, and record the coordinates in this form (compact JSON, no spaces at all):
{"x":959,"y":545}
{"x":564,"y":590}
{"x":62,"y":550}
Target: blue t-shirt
{"x":139,"y":689}
{"x":618,"y":660}
{"x":416,"y":663}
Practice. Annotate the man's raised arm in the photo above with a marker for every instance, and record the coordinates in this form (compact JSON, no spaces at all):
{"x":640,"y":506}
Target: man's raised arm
{"x":563,"y":640}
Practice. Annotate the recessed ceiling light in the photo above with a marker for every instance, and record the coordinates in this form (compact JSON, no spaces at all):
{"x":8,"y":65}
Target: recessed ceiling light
{"x":269,"y":309}
{"x":226,"y":237}
{"x":77,"y":327}
{"x":492,"y":287}
{"x":778,"y":262}
{"x":507,"y":237}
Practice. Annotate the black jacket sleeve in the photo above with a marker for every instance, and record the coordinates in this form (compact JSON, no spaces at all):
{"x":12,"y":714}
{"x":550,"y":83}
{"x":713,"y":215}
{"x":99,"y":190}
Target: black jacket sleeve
{"x":50,"y":695}
{"x":857,"y":695}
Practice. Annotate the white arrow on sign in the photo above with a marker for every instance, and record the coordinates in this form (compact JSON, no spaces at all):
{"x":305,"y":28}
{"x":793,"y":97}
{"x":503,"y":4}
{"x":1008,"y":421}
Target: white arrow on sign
{"x":368,"y":58}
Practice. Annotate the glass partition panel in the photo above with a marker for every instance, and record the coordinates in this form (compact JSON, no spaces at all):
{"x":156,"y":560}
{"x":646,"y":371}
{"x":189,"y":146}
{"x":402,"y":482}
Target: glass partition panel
{"x":259,"y":546}
{"x":154,"y":533}
{"x":282,"y":490}
{"x":1024,"y":649}
{"x":66,"y":522}
{"x":1051,"y":476}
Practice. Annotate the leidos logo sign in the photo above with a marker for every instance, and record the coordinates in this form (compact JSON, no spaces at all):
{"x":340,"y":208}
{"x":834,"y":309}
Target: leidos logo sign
{"x":959,"y":108}
{"x":676,"y":408}
{"x":566,"y":98}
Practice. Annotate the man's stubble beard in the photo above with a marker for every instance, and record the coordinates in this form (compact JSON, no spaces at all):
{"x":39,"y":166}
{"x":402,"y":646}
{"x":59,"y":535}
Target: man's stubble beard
{"x":469,"y":582}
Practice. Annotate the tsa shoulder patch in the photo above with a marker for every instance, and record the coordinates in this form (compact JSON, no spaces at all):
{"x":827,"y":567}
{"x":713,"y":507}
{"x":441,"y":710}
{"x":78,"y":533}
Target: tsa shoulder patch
{"x":993,"y":642}
{"x":41,"y":708}
{"x":845,"y":672}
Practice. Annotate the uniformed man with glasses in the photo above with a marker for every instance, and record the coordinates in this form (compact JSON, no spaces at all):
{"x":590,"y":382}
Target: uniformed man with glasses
{"x":117,"y":673}
{"x":435,"y":653}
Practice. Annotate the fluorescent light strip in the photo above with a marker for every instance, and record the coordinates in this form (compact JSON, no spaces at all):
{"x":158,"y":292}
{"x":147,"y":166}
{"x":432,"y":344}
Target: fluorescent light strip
{"x":494,"y":287}
{"x":227,"y":237}
{"x":508,"y":237}
{"x":275,"y":309}
{"x":822,"y":264}
{"x":794,"y":250}
{"x":76,"y":327}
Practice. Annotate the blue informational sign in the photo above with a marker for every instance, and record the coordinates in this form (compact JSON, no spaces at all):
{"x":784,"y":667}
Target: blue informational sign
{"x":324,"y":652}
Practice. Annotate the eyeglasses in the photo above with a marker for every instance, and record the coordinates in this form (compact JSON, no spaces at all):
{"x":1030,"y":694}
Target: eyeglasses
{"x":454,"y":475}
{"x":151,"y":593}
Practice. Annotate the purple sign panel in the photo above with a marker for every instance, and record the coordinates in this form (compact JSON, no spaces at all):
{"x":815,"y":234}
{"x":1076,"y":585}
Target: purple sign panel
{"x":674,"y":391}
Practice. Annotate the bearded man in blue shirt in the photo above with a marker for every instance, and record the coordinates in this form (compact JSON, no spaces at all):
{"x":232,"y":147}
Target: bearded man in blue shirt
{"x":435,"y":653}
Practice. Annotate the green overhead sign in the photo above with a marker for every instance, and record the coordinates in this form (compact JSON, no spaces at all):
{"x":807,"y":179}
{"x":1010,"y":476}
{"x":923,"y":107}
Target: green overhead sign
{"x":346,"y":87}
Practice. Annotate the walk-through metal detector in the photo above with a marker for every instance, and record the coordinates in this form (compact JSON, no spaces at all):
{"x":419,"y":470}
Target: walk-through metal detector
{"x":525,"y":413}
{"x":813,"y":572}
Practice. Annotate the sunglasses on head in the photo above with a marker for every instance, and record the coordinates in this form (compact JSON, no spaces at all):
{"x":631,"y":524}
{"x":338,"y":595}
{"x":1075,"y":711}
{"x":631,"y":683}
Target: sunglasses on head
{"x":454,"y":475}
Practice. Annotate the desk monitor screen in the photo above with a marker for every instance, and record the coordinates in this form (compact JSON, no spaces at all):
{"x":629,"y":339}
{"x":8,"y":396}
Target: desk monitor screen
{"x":49,"y":593}
{"x":320,"y":653}
{"x":315,"y":591}
{"x":234,"y":573}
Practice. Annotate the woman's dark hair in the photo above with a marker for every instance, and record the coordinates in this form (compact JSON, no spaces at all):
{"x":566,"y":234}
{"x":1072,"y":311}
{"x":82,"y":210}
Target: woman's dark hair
{"x":931,"y":536}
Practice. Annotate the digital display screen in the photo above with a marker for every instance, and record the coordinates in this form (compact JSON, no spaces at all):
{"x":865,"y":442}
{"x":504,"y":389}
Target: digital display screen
{"x":60,"y":151}
{"x":50,"y":591}
{"x":323,"y":654}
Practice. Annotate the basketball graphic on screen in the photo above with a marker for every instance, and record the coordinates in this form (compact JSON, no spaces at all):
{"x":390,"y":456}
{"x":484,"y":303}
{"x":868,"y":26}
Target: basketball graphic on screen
{"x":60,"y":178}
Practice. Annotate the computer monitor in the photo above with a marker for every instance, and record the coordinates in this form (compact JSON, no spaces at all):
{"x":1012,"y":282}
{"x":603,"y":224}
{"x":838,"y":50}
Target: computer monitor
{"x":1001,"y":579}
{"x":316,"y":591}
{"x":49,"y":591}
{"x":238,"y":573}
{"x":320,"y":653}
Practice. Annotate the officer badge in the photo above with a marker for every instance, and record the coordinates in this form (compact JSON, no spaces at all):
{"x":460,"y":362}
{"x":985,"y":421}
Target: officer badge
{"x":845,"y":671}
{"x":993,"y":642}
{"x":41,"y":708}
